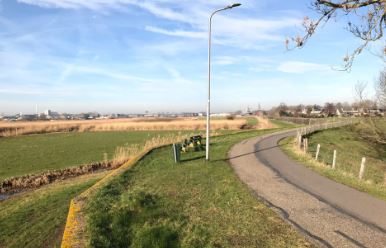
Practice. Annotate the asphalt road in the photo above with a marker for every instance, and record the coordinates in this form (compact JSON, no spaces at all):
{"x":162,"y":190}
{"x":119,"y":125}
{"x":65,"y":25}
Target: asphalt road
{"x":328,"y":213}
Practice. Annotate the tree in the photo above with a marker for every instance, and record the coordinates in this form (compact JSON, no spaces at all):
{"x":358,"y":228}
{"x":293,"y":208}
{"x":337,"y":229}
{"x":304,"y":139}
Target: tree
{"x":380,"y":87}
{"x":362,"y":103}
{"x":360,"y":88}
{"x":368,"y":27}
{"x":283,"y":109}
{"x":329,"y":109}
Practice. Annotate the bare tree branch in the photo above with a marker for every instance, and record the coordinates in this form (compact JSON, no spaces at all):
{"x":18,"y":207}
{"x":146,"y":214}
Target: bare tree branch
{"x":371,"y":15}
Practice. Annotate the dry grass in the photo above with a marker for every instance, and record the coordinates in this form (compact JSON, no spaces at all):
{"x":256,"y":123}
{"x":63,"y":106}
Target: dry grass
{"x":264,"y":123}
{"x":8,"y":129}
{"x":124,"y":153}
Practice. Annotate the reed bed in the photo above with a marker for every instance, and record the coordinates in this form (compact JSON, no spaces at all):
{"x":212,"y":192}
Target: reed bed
{"x":8,"y":129}
{"x":124,"y":153}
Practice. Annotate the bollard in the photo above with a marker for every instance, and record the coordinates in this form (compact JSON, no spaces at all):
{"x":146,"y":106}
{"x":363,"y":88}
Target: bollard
{"x":334,"y":160}
{"x":177,"y":153}
{"x":363,"y":167}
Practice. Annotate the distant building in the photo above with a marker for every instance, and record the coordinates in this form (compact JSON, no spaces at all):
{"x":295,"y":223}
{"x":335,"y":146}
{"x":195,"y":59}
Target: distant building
{"x":316,"y":113}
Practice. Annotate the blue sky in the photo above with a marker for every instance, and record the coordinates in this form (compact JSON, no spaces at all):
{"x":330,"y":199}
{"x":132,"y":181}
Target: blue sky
{"x":133,"y":56}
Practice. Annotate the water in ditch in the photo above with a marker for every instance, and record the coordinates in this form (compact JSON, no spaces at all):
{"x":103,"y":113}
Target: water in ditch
{"x":4,"y":197}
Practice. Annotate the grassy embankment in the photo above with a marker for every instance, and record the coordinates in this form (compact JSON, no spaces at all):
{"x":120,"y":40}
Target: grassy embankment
{"x":37,"y":218}
{"x":193,"y":204}
{"x":351,"y":147}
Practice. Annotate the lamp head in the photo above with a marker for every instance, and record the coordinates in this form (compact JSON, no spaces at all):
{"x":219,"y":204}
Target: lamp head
{"x":233,"y":5}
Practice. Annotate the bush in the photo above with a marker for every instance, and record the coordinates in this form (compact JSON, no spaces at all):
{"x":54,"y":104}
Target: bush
{"x":231,"y":117}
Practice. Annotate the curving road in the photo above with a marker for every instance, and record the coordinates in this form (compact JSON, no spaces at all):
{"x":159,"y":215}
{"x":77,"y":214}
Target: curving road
{"x":328,"y":213}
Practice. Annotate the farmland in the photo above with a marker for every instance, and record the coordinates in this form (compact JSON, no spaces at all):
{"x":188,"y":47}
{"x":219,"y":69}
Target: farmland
{"x":36,"y":153}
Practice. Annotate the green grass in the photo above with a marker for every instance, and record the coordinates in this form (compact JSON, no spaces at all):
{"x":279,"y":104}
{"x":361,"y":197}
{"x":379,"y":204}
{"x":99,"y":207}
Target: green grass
{"x":37,"y":218}
{"x":350,"y":149}
{"x":36,"y":153}
{"x":252,"y":121}
{"x":284,"y":124}
{"x":193,"y":204}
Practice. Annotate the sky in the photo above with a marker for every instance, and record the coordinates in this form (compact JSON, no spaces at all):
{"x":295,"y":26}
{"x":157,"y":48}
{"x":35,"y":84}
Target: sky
{"x":132,"y":56}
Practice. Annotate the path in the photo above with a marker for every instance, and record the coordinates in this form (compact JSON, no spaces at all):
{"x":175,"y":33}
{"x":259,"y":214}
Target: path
{"x":329,"y":213}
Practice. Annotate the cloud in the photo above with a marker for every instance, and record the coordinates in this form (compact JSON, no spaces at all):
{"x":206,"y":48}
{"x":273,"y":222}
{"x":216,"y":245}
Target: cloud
{"x":235,"y":28}
{"x":224,"y":60}
{"x":101,"y":5}
{"x":180,"y":33}
{"x":299,"y":67}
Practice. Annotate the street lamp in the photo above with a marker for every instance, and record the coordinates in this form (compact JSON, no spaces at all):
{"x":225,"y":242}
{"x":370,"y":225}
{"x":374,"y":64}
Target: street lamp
{"x":209,"y":76}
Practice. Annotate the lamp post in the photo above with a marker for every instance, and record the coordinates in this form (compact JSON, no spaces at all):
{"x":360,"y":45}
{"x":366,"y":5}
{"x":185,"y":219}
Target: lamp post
{"x":209,"y":76}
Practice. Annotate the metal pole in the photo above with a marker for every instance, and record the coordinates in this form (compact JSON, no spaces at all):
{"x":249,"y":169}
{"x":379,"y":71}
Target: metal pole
{"x":209,"y":76}
{"x":209,"y":79}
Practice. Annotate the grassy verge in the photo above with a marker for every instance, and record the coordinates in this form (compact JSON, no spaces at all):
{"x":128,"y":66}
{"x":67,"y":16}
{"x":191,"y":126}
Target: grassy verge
{"x":37,"y":153}
{"x":37,"y":218}
{"x":283,"y":124}
{"x":193,"y":204}
{"x":348,"y":164}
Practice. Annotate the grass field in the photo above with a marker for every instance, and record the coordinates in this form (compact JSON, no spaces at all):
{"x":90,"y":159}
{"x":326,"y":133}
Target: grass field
{"x":37,"y":218}
{"x":36,"y":153}
{"x":193,"y":204}
{"x":350,"y":149}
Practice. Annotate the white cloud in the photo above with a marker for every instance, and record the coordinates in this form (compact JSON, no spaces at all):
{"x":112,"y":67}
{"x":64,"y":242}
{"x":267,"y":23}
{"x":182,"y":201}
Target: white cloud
{"x":224,"y":60}
{"x":180,"y":33}
{"x":233,"y":28}
{"x":299,"y":67}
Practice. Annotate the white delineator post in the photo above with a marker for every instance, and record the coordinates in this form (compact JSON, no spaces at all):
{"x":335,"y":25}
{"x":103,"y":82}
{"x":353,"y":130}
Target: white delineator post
{"x":317,"y":152}
{"x":363,"y":168}
{"x":334,"y":160}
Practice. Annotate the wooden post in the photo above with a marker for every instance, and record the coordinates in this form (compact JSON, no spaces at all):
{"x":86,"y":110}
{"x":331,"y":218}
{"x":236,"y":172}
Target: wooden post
{"x":306,"y":145}
{"x":334,"y":160}
{"x":300,"y":141}
{"x":317,"y":152}
{"x":363,"y":167}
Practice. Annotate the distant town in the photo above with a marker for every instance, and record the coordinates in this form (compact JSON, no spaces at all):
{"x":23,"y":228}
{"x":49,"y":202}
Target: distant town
{"x":367,"y":108}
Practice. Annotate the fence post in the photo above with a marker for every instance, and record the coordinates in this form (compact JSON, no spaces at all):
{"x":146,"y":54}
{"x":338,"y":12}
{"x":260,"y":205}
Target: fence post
{"x":334,"y":160}
{"x":317,"y":152}
{"x":176,"y":153}
{"x":363,"y":167}
{"x":307,"y":145}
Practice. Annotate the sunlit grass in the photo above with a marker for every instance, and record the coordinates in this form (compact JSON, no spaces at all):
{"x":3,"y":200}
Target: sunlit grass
{"x":193,"y":204}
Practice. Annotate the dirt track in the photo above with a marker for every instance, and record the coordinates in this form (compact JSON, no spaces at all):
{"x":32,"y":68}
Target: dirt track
{"x":328,"y":213}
